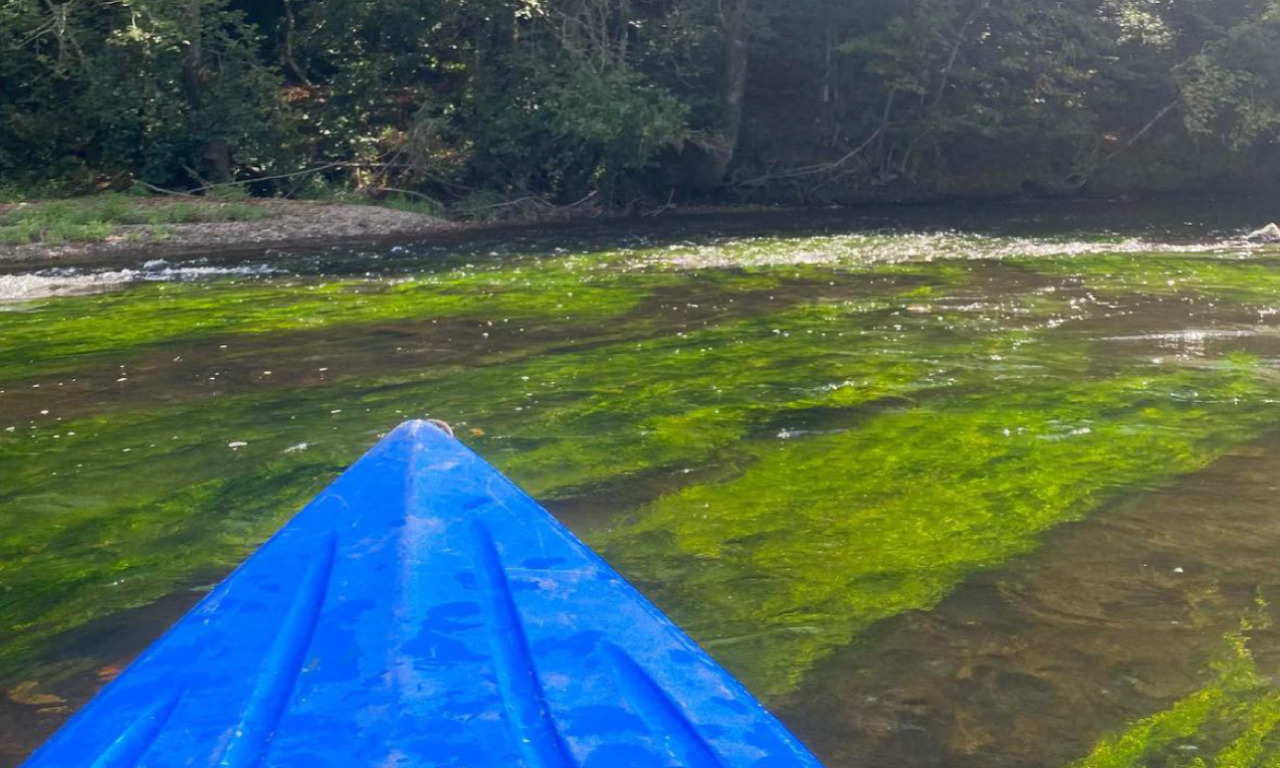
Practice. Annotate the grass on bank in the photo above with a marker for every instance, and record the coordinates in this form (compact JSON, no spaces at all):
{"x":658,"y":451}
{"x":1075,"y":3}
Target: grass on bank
{"x":98,"y":218}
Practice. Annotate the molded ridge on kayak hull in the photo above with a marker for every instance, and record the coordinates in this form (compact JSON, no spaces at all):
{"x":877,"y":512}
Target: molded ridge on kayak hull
{"x":423,"y":611}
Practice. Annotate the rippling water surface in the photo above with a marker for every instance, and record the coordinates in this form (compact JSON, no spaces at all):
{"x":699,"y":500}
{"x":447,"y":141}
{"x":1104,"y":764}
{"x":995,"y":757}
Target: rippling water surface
{"x":966,"y":488}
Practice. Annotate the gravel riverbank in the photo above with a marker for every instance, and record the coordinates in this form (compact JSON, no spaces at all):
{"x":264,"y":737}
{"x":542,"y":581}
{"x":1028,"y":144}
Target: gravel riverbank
{"x":289,"y":222}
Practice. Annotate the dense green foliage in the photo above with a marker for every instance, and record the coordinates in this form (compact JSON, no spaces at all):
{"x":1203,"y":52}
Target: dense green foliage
{"x":480,"y":101}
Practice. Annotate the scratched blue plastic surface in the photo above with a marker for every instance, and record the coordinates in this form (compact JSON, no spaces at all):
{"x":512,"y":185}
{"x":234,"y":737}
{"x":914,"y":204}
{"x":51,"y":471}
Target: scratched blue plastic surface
{"x":423,"y":611}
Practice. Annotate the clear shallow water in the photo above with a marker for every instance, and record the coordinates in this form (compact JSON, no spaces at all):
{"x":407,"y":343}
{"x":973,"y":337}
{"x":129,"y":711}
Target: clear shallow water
{"x":990,"y":487}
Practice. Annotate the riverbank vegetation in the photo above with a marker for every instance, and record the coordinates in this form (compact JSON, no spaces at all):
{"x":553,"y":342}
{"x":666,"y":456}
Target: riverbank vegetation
{"x":102,"y":217}
{"x":496,"y":107}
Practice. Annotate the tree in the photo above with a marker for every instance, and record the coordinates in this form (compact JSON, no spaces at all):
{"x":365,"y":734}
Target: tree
{"x":802,"y":100}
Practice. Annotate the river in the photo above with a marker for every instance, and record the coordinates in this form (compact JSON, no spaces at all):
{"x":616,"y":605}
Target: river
{"x":988,"y":486}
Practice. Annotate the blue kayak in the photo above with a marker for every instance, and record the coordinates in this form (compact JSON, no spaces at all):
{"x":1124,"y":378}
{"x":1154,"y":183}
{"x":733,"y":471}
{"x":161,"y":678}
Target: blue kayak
{"x":423,"y":611}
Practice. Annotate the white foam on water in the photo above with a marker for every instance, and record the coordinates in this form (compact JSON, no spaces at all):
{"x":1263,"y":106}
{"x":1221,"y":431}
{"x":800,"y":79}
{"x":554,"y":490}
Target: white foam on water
{"x":46,"y":283}
{"x":864,"y":249}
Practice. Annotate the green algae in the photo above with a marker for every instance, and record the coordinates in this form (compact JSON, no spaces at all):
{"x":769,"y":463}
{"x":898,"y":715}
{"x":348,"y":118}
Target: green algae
{"x":594,"y":421}
{"x":1254,"y":280}
{"x":84,"y":533}
{"x":52,"y":334}
{"x":592,"y":414}
{"x":557,"y":420}
{"x":631,"y":407}
{"x":1231,"y":722}
{"x":820,"y":538}
{"x":64,"y":333}
{"x":830,"y":443}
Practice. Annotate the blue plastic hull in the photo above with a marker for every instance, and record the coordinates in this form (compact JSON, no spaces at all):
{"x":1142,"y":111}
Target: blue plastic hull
{"x":423,"y":611}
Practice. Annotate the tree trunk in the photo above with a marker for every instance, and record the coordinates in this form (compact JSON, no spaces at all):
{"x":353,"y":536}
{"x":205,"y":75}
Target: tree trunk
{"x":290,"y":32}
{"x":737,"y":39}
{"x":193,"y":60}
{"x":217,"y":152}
{"x":705,"y":164}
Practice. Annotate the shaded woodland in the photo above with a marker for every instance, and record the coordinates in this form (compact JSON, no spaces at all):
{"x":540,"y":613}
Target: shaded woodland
{"x":475,"y":102}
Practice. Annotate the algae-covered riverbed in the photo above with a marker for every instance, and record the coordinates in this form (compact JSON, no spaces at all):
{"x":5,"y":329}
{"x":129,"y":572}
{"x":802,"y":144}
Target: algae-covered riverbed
{"x":973,"y":489}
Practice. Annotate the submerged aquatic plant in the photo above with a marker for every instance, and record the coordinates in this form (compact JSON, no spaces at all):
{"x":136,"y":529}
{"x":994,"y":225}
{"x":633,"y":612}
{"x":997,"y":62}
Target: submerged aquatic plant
{"x":780,"y":455}
{"x":1231,"y":722}
{"x":1251,"y":280}
{"x":820,"y":537}
{"x":57,"y":334}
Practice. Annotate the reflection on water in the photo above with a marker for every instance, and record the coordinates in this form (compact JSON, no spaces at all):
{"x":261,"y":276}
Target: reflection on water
{"x":988,"y":489}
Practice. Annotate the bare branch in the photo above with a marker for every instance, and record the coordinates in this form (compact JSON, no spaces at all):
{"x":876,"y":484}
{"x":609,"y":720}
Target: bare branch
{"x":1151,"y":124}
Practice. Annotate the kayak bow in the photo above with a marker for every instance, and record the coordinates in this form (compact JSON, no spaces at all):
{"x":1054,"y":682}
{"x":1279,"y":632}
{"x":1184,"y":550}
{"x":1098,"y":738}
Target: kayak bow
{"x":423,"y":611}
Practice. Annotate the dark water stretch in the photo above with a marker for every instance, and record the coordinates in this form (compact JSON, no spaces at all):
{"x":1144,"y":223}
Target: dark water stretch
{"x":988,"y":488}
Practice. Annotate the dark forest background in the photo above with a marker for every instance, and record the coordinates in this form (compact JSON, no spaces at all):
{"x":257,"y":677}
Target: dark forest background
{"x":801,"y":101}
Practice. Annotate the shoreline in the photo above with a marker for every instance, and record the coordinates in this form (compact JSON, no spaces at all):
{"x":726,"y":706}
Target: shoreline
{"x":303,"y":224}
{"x":289,"y":223}
{"x":310,"y":224}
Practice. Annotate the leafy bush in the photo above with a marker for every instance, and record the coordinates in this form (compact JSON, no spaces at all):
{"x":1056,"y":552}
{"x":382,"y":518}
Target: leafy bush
{"x":169,"y":94}
{"x":561,"y":126}
{"x":557,"y":99}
